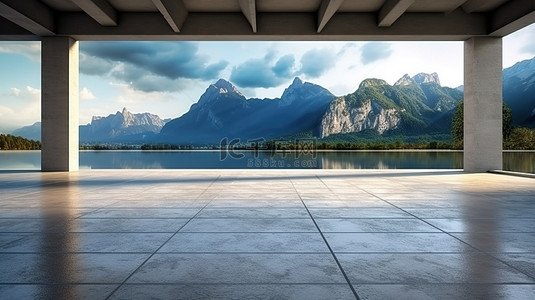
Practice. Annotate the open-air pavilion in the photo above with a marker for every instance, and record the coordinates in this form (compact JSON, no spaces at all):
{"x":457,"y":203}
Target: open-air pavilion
{"x":267,"y":234}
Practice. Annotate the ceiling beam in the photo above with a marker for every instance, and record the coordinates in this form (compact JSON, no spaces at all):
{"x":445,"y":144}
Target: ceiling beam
{"x":248,"y":7}
{"x":12,"y":32}
{"x":456,"y":26}
{"x":174,"y":12}
{"x":326,"y":11}
{"x":456,"y":4}
{"x":512,"y":16}
{"x":475,"y":5}
{"x":100,"y":10}
{"x":31,"y":15}
{"x":391,"y":11}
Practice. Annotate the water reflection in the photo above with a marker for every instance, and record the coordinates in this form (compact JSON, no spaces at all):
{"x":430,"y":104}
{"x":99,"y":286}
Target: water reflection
{"x":519,"y":161}
{"x":30,"y":160}
{"x":480,"y":217}
{"x":268,"y":160}
{"x":391,"y":160}
{"x":20,"y":160}
{"x":58,"y":263}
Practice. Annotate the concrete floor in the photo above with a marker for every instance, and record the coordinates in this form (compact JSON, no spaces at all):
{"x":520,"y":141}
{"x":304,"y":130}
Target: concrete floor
{"x":310,"y":234}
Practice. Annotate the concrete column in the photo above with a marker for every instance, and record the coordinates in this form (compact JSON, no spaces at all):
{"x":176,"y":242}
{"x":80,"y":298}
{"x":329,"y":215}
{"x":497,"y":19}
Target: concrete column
{"x":59,"y":104}
{"x":482,"y":104}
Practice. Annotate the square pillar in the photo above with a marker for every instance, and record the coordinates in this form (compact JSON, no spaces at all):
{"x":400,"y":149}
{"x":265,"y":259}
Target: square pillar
{"x":59,"y":104}
{"x":483,"y":104}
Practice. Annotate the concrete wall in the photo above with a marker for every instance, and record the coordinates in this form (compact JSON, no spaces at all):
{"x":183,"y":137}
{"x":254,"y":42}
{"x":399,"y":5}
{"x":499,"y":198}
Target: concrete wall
{"x":482,"y":104}
{"x":59,"y":104}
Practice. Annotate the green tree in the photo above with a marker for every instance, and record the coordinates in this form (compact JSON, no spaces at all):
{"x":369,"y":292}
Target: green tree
{"x":10,"y":142}
{"x":457,"y":124}
{"x":521,"y":139}
{"x":507,"y":123}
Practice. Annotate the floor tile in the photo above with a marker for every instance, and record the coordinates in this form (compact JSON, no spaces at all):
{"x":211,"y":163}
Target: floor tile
{"x":394,"y":242}
{"x":9,"y":238}
{"x":445,"y":291}
{"x":250,"y":225}
{"x":89,"y":242}
{"x":331,"y":203}
{"x":524,"y":262}
{"x":374,"y":225}
{"x":239,"y":268}
{"x":255,"y":203}
{"x":485,"y":225}
{"x":246,"y":242}
{"x":267,"y":213}
{"x":373,"y":213}
{"x":142,"y":213}
{"x":129,"y":225}
{"x":229,"y":291}
{"x":60,"y":268}
{"x":428,"y":268}
{"x":56,"y":291}
{"x":500,"y":242}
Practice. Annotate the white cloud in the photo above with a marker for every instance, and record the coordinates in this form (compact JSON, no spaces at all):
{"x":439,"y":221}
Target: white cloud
{"x":5,"y":111}
{"x":32,"y":50}
{"x":164,"y":104}
{"x":33,"y":91}
{"x":129,"y":95}
{"x":86,"y":94}
{"x":375,"y":51}
{"x":15,"y":92}
{"x":20,"y":110}
{"x":519,"y":46}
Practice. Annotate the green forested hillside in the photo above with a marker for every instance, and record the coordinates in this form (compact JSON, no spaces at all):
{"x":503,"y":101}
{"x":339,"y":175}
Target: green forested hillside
{"x":10,"y":142}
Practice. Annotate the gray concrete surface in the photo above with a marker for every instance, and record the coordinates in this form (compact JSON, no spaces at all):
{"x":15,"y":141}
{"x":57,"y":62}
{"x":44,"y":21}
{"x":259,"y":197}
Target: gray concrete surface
{"x":483,"y":104}
{"x":266,"y":234}
{"x":59,"y":104}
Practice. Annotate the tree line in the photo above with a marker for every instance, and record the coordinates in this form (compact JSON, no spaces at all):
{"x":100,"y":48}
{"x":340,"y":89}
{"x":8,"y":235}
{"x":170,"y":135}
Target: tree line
{"x":514,"y":137}
{"x":11,"y":142}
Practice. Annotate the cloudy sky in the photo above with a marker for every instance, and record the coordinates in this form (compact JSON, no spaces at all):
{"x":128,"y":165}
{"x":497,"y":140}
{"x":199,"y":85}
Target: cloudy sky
{"x":165,"y":78}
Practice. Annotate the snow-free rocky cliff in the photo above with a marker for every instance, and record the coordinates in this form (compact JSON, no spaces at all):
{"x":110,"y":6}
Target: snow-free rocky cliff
{"x":411,"y":104}
{"x":120,"y":125}
{"x":343,"y":118}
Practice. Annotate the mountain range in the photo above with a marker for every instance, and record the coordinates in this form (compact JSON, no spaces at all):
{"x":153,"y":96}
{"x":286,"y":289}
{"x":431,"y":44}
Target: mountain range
{"x":222,"y":111}
{"x":519,"y":92}
{"x":123,"y":126}
{"x":413,"y":105}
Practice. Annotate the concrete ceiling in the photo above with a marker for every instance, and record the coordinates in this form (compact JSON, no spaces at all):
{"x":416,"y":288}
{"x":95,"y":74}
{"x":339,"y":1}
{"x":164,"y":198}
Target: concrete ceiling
{"x":263,"y":19}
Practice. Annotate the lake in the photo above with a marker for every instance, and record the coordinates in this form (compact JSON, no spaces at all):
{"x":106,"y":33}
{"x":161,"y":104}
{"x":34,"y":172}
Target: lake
{"x":207,"y":159}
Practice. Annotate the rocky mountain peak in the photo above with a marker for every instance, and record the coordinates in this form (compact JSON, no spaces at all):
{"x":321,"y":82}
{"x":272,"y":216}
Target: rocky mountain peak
{"x":405,"y":80}
{"x":297,"y":82}
{"x":128,"y":118}
{"x":372,"y":82}
{"x":220,"y":87}
{"x":523,"y":69}
{"x":426,"y":78}
{"x":226,"y":87}
{"x":121,"y":124}
{"x":300,"y":92}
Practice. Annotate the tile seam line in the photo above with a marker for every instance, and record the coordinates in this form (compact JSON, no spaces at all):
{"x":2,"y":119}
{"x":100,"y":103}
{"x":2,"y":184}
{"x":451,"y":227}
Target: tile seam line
{"x":485,"y":253}
{"x":271,"y":283}
{"x":353,"y":290}
{"x":166,"y":241}
{"x":253,"y":253}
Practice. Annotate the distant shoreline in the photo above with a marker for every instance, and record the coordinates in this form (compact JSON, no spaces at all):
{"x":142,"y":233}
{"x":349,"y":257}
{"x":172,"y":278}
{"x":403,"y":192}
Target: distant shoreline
{"x":277,"y":151}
